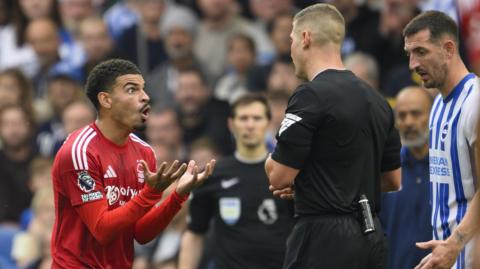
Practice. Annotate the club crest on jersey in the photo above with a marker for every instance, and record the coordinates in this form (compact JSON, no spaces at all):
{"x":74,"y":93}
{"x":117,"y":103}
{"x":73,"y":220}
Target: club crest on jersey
{"x":85,"y":182}
{"x":444,"y":132}
{"x":230,"y":209}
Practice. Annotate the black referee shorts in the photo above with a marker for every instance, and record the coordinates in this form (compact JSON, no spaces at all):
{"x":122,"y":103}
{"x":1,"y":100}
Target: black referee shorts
{"x":335,"y":242}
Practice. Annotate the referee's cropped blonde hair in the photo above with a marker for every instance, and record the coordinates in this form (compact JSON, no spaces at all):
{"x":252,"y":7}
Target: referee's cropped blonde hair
{"x":324,"y":21}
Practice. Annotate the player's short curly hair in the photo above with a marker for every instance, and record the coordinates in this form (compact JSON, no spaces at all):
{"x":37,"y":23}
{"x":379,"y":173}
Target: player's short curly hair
{"x":103,"y":76}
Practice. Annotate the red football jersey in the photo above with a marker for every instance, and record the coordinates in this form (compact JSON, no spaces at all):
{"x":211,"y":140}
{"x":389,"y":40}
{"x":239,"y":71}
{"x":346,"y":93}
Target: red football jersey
{"x":90,"y":168}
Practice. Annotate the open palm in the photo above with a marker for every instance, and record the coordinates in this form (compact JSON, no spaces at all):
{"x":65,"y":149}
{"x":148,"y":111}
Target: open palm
{"x":192,"y":179}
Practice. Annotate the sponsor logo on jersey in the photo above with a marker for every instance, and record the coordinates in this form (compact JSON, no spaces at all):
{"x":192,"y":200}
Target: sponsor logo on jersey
{"x":140,"y":174}
{"x":92,"y":196}
{"x":85,"y":182}
{"x":267,"y":211}
{"x":227,"y":183}
{"x":444,"y":132}
{"x":110,"y":173}
{"x":230,"y":209}
{"x":114,"y":193}
{"x":288,"y":121}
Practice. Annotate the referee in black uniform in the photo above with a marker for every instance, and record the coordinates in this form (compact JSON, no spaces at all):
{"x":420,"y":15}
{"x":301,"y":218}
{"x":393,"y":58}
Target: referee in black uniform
{"x":337,"y":149}
{"x":251,"y":226}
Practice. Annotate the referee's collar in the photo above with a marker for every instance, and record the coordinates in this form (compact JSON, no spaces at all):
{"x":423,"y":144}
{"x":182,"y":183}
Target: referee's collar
{"x":249,"y":161}
{"x":328,"y":70}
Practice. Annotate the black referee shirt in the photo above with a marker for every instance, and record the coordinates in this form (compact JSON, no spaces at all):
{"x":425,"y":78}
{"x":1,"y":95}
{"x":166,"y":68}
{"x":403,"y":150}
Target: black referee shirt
{"x":340,"y":134}
{"x":251,"y":226}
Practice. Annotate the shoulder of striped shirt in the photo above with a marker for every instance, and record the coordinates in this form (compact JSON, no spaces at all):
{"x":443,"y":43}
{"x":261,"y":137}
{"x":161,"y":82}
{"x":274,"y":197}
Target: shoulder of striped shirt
{"x":140,"y":141}
{"x":79,"y":147}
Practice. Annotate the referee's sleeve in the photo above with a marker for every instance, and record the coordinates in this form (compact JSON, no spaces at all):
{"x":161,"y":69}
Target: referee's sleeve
{"x":294,"y":138}
{"x":391,"y":151}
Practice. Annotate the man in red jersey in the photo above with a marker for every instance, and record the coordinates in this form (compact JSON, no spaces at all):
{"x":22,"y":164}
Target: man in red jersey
{"x":101,"y":200}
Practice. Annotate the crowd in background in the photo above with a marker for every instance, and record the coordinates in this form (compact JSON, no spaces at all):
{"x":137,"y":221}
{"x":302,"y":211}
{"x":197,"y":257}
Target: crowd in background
{"x":197,"y":56}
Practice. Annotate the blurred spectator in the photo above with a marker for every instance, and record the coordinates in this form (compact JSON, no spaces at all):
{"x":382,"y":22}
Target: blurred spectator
{"x":16,"y":133}
{"x":16,"y":89}
{"x":142,"y":42}
{"x":121,"y":16}
{"x":363,"y":66}
{"x":178,"y":30}
{"x":166,"y":253}
{"x":202,"y":151}
{"x":74,"y":12}
{"x":42,"y":34}
{"x":163,"y":128}
{"x":265,"y":11}
{"x":469,"y":12}
{"x":5,"y":16}
{"x":362,"y":24}
{"x":31,"y":249}
{"x":279,"y":30}
{"x":200,"y":114}
{"x":218,"y":24}
{"x":14,"y":49}
{"x":76,"y":115}
{"x":61,"y":91}
{"x":241,"y":57}
{"x":96,"y":41}
{"x":390,"y":55}
{"x":278,"y":104}
{"x":406,"y":214}
{"x":282,"y":77}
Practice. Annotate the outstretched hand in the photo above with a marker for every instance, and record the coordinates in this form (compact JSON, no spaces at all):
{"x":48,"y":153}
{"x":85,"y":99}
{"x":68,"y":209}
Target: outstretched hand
{"x":165,"y":174}
{"x":443,"y":256}
{"x":192,"y":179}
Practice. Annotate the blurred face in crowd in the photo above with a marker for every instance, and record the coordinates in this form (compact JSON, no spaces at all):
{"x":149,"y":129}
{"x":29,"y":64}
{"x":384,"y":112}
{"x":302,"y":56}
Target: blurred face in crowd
{"x":240,"y":54}
{"x":428,"y":58}
{"x":249,"y":125}
{"x":202,"y":155}
{"x":280,"y":34}
{"x":77,"y":115}
{"x":266,"y":10}
{"x":62,"y":92}
{"x":95,"y":39}
{"x":151,"y":10}
{"x":76,"y":10}
{"x":14,"y":128}
{"x":163,"y":127}
{"x":282,"y":78}
{"x":35,"y":9}
{"x":412,"y":111}
{"x":178,"y":43}
{"x":9,"y":90}
{"x":216,"y":9}
{"x":42,"y":34}
{"x":192,"y":93}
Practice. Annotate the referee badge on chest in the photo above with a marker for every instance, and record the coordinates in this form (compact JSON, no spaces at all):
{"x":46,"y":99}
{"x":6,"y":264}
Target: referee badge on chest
{"x":230,"y":209}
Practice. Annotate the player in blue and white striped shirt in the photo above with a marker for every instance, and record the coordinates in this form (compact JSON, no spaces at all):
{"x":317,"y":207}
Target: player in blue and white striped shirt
{"x":431,"y":41}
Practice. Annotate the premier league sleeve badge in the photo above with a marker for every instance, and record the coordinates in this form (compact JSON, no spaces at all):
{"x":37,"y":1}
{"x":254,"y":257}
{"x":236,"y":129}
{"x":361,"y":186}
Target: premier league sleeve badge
{"x":85,"y":182}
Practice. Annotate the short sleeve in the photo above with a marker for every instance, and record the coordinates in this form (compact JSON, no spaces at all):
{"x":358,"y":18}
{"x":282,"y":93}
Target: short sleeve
{"x":302,"y":118}
{"x":391,"y":151}
{"x":80,"y":179}
{"x":201,"y":209}
{"x":469,"y":117}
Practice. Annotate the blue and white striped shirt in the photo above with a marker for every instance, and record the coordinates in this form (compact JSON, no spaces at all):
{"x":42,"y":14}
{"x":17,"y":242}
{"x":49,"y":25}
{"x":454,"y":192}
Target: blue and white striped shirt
{"x":452,"y":133}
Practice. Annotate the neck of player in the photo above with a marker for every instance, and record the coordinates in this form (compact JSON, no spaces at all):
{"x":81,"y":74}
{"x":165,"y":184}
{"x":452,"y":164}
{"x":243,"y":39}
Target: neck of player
{"x":251,"y":153}
{"x":113,"y":132}
{"x":456,"y":73}
{"x":419,"y":152}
